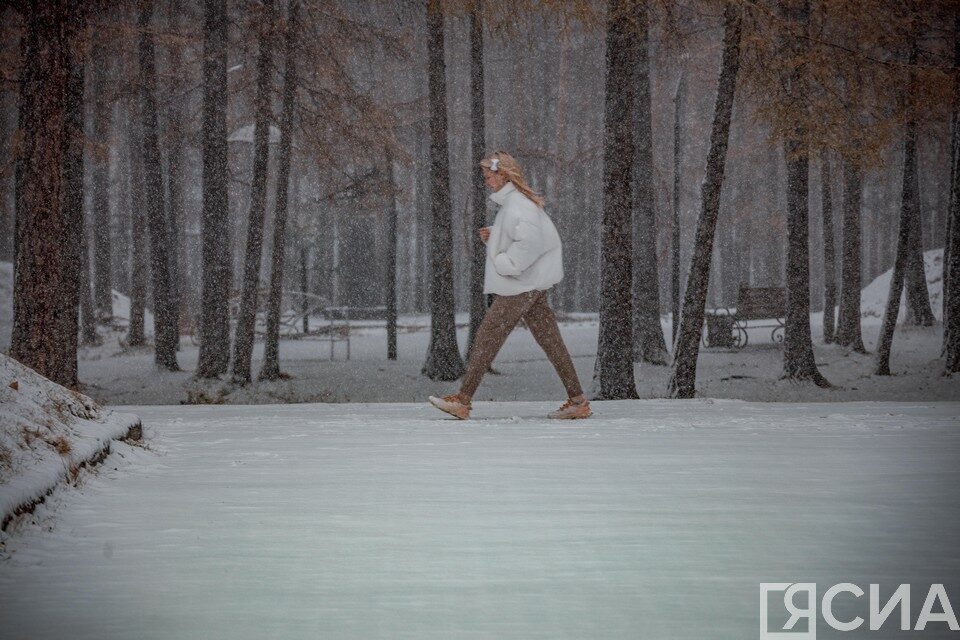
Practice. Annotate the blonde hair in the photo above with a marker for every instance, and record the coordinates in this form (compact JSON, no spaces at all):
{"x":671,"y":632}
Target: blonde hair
{"x":510,"y":168}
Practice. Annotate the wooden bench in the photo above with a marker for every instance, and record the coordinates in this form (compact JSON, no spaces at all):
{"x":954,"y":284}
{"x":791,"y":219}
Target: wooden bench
{"x":728,"y":327}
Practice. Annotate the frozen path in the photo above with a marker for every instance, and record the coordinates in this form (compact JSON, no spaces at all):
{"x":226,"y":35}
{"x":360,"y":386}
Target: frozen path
{"x":657,"y":519}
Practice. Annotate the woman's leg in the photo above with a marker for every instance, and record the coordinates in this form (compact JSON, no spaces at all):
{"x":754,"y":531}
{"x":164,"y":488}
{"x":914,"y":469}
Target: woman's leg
{"x":498,"y":322}
{"x":543,"y":325}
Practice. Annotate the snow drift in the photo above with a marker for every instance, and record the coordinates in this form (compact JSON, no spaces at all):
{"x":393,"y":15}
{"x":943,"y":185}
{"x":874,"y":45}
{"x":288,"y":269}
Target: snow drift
{"x":121,"y":308}
{"x":873,"y":299}
{"x":47,"y":432}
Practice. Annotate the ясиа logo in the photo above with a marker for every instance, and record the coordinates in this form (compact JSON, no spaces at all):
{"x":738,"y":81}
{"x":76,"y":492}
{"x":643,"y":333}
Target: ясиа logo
{"x":799,"y":606}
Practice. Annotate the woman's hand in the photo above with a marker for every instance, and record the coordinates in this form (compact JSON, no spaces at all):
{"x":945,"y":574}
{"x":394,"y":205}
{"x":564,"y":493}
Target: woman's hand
{"x":484,"y":233}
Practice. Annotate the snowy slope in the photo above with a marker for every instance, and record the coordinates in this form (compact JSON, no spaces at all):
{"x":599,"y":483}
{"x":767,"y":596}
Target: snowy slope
{"x":873,"y":299}
{"x":655,"y":519}
{"x":45,"y":432}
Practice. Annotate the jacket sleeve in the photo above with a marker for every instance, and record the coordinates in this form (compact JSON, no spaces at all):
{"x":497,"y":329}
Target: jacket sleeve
{"x":525,"y":247}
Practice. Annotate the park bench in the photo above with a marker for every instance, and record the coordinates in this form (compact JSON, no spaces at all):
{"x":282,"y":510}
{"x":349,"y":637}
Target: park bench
{"x":728,"y":327}
{"x":339,"y":322}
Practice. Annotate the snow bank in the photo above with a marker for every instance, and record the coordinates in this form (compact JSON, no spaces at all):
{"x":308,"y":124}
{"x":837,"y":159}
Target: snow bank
{"x":121,"y":313}
{"x":46,"y":433}
{"x":121,"y":308}
{"x":873,"y":298}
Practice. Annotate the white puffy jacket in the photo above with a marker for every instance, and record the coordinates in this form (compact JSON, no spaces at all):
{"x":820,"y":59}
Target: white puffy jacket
{"x":523,"y":251}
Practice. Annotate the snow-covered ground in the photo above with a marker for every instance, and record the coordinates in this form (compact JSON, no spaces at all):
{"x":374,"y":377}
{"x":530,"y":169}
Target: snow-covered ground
{"x":46,"y":432}
{"x":656,"y":519}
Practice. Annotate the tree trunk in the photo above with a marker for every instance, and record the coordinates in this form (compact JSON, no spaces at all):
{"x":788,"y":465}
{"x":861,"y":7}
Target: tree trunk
{"x":247,"y":317}
{"x":102,"y":252}
{"x":848,"y":322}
{"x":271,"y":351}
{"x":648,"y":343}
{"x":683,"y":380}
{"x":41,"y":270}
{"x":176,"y":190}
{"x":166,"y":332}
{"x":798,"y":359}
{"x":951,"y":250}
{"x":88,"y":316}
{"x":138,"y":240}
{"x":614,"y":365}
{"x":918,"y":297}
{"x":478,"y":301}
{"x":392,"y":223}
{"x":829,"y":251}
{"x":443,"y":355}
{"x":908,"y":211}
{"x":679,"y":101}
{"x":73,"y":199}
{"x":304,"y":287}
{"x":214,"y":355}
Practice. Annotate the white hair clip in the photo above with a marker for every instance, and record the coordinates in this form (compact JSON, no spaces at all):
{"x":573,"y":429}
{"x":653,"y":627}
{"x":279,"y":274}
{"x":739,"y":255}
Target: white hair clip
{"x":494,"y":163}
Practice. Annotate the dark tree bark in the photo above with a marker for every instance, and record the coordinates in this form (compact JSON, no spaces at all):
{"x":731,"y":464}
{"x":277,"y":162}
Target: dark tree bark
{"x":304,"y":287}
{"x":683,"y":380}
{"x":176,"y":188}
{"x":829,"y":251}
{"x":679,"y":101}
{"x":271,"y":352}
{"x":920,"y":312}
{"x":139,"y":266}
{"x":951,"y":250}
{"x":648,"y":343}
{"x":88,"y":316}
{"x":614,"y":364}
{"x":41,"y":269}
{"x":166,"y":332}
{"x":214,"y":356}
{"x":908,"y":211}
{"x":247,"y":316}
{"x":443,"y":355}
{"x":798,"y":359}
{"x":848,"y":322}
{"x":100,"y":169}
{"x":478,"y":301}
{"x":73,"y":196}
{"x":392,"y":215}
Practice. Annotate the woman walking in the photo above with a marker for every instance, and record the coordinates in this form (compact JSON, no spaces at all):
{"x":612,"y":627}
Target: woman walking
{"x":524,"y":260}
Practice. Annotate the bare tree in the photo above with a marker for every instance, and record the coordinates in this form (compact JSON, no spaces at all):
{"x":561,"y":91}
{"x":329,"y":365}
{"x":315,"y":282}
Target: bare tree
{"x":247,"y":317}
{"x":443,"y":355}
{"x":100,"y":169}
{"x":392,"y":222}
{"x":138,"y":238}
{"x":214,"y":354}
{"x":848,"y":321}
{"x":679,"y":101}
{"x":614,"y":364}
{"x":908,"y":210}
{"x":42,"y":260}
{"x":73,"y":195}
{"x":798,"y":359}
{"x":271,"y":352}
{"x":166,"y":332}
{"x":683,"y":380}
{"x":478,"y":301}
{"x":829,"y":250}
{"x":648,"y":343}
{"x":951,"y":250}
